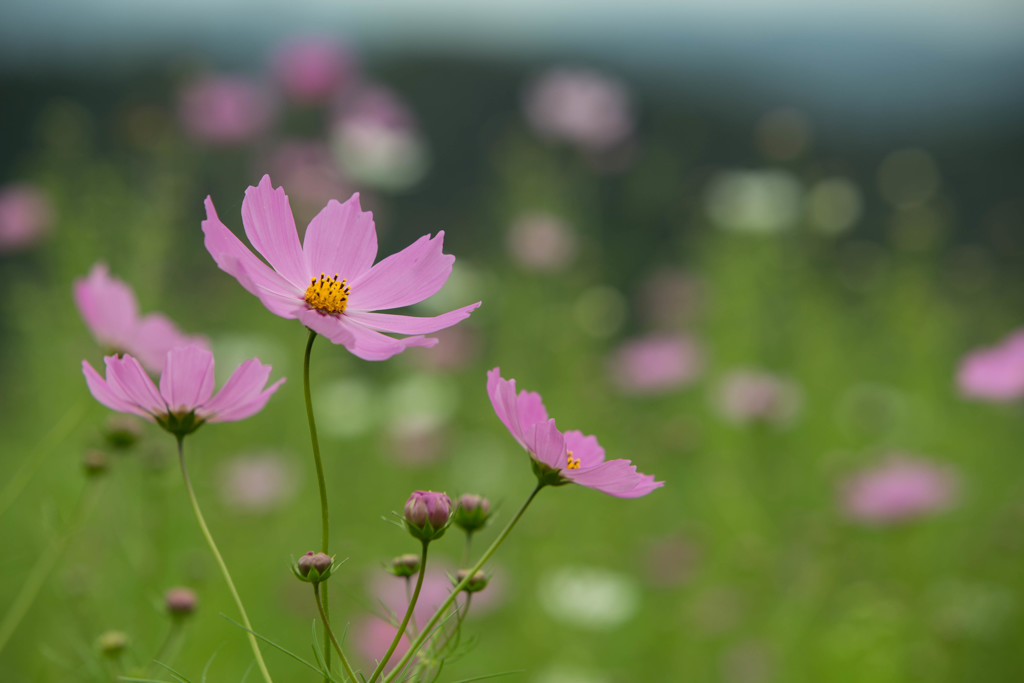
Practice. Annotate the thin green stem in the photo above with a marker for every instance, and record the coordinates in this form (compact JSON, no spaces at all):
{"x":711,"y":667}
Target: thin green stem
{"x":220,"y":562}
{"x":465,"y":548}
{"x":330,"y":633}
{"x":325,"y":524}
{"x":44,"y":567}
{"x":165,"y":647}
{"x":408,"y":615}
{"x":425,"y":632}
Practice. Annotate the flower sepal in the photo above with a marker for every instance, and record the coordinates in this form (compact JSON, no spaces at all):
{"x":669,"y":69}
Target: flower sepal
{"x":180,"y":424}
{"x":546,"y":475}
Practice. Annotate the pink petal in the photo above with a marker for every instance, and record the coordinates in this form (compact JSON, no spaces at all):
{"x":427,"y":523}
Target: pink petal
{"x":287,"y":304}
{"x":187,"y":379}
{"x":503,"y":397}
{"x":586,"y":448}
{"x":360,"y":340}
{"x":155,"y":335}
{"x":546,"y":444}
{"x":530,"y":408}
{"x":107,"y":305}
{"x":243,"y":387}
{"x":341,"y":239}
{"x":249,"y":408}
{"x":103,"y":393}
{"x":408,"y":277}
{"x":232,"y":257}
{"x":615,"y":477}
{"x":270,"y":227}
{"x":410,"y":324}
{"x":127,"y":378}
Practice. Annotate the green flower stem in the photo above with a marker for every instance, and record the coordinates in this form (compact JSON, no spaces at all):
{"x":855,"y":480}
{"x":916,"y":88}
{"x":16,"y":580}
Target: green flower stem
{"x":334,"y":641}
{"x":220,"y":563}
{"x":42,"y":569}
{"x":325,"y":524}
{"x":425,"y":632}
{"x":408,"y":615}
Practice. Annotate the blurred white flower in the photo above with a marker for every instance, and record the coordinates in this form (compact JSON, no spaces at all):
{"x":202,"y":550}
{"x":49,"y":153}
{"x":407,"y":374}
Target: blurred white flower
{"x":590,"y":597}
{"x":754,"y":201}
{"x":579,"y":106}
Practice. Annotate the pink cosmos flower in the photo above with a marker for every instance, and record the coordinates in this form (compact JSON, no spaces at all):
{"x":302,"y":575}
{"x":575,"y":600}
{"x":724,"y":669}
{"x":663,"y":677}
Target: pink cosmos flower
{"x":572,"y":456}
{"x":655,"y":364}
{"x":185,"y":399}
{"x":580,"y":106}
{"x":541,"y":241}
{"x":225,"y":110}
{"x":330,"y":283}
{"x":747,"y":396}
{"x":26,"y":215}
{"x":109,"y":309}
{"x":996,"y":373}
{"x":900,"y":488}
{"x":312,"y":69}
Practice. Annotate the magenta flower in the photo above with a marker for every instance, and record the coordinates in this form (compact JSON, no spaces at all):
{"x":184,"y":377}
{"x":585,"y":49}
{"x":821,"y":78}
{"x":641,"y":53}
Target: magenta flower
{"x":109,"y":309}
{"x":562,"y":458}
{"x":580,"y":106}
{"x":330,"y":283}
{"x":655,"y":364}
{"x":26,"y":215}
{"x":899,"y":489}
{"x":312,"y":69}
{"x":996,"y":373}
{"x":225,"y":110}
{"x":185,"y":399}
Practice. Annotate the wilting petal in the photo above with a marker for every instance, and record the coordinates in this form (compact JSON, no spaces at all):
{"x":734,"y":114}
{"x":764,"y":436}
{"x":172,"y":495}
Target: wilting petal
{"x":104,"y":394}
{"x":270,"y":227}
{"x":547,"y":444}
{"x":127,"y":378}
{"x":107,"y":305}
{"x":585,"y":448}
{"x":341,"y":239}
{"x":187,"y":379}
{"x":408,"y":277}
{"x":410,"y":324}
{"x":248,"y":408}
{"x":244,"y":386}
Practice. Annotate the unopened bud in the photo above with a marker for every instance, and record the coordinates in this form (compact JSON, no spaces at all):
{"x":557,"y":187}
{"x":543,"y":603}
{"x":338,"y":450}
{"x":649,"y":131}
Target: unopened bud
{"x":112,"y":643}
{"x":95,"y":462}
{"x":473,"y":512}
{"x":123,"y":431}
{"x":427,"y":514}
{"x":405,"y":565}
{"x":314,"y":567}
{"x":180,"y":601}
{"x":476,"y":584}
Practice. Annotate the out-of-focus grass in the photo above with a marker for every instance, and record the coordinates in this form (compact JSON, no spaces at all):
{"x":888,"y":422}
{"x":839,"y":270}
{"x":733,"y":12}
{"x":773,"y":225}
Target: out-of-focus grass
{"x":773,"y":583}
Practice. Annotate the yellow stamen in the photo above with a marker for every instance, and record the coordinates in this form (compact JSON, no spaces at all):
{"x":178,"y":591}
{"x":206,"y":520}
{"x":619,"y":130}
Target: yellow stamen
{"x":574,"y":463}
{"x":328,"y":295}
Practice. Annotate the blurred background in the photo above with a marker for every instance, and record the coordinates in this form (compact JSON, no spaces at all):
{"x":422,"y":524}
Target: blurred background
{"x":771,"y":252}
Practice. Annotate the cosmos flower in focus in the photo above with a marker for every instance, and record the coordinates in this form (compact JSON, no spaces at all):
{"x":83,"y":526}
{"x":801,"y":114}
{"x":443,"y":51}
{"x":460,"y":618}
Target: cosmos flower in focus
{"x":185,"y":399}
{"x":655,"y":364}
{"x":562,"y":458}
{"x":995,"y":373}
{"x":26,"y":215}
{"x":579,"y":106}
{"x":225,"y":110}
{"x":898,"y":489}
{"x":109,"y":309}
{"x":329,"y":282}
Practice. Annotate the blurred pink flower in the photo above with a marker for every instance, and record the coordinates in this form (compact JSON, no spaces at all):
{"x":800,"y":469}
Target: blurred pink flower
{"x":309,"y":168}
{"x":185,"y":399}
{"x":330,"y":283}
{"x":225,"y":110}
{"x":313,"y":69}
{"x":898,"y":489}
{"x":458,"y":347}
{"x":670,"y":298}
{"x":746,"y":396}
{"x":540,"y":241}
{"x":571,"y":456}
{"x":579,"y":106}
{"x":995,"y":373}
{"x":109,"y":309}
{"x":26,"y":215}
{"x":655,"y":364}
{"x":256,"y":483}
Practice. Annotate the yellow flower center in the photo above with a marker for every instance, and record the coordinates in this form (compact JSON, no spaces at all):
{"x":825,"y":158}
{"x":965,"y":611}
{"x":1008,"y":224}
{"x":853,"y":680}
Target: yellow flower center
{"x":328,"y":295}
{"x":574,"y":463}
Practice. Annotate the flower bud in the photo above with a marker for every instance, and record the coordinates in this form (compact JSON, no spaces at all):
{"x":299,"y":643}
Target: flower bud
{"x":405,"y":565}
{"x":95,"y":462}
{"x":473,"y":512}
{"x":112,"y":643}
{"x":180,"y":601}
{"x":313,"y":567}
{"x":475,"y":584}
{"x":123,"y":431}
{"x":427,"y":514}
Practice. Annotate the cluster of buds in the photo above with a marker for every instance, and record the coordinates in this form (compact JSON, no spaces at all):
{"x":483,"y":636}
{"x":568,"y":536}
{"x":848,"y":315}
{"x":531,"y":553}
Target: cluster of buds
{"x":428,"y":514}
{"x":313,"y":567}
{"x":472,"y":513}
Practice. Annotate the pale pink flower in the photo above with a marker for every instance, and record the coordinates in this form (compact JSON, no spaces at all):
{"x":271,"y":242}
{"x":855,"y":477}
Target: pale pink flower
{"x":257,"y":483}
{"x":995,"y":373}
{"x":330,"y":283}
{"x":540,"y":241}
{"x":655,"y":364}
{"x":746,"y":396}
{"x":898,"y":489}
{"x":566,"y":457}
{"x":26,"y":215}
{"x":312,"y":69}
{"x":185,"y":399}
{"x":225,"y":110}
{"x":109,"y":309}
{"x":580,"y":106}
